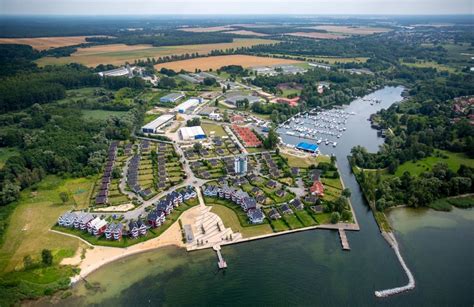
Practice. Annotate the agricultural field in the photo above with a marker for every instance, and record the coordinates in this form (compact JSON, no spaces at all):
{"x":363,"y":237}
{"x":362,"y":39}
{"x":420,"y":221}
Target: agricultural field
{"x":453,"y":160}
{"x":207,"y":29}
{"x":44,"y":43}
{"x":216,"y":62}
{"x":348,"y":30}
{"x":317,"y":35}
{"x":118,"y":54}
{"x":246,"y":32}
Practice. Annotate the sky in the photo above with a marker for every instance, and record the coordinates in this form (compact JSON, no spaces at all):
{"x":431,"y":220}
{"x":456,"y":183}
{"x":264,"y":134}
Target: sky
{"x":177,"y":7}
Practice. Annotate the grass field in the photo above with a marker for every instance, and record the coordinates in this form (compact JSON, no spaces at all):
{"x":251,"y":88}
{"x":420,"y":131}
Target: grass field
{"x":231,"y":220}
{"x":454,"y":160}
{"x":118,"y":54}
{"x":43,"y":43}
{"x":35,"y":213}
{"x":218,"y":130}
{"x":216,"y":62}
{"x":304,"y":162}
{"x":101,"y":114}
{"x":429,"y":64}
{"x":445,"y":204}
{"x":5,"y":153}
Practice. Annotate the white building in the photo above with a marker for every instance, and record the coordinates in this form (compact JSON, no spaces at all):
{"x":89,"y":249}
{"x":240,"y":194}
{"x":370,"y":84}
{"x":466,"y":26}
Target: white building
{"x":240,"y":164}
{"x":188,"y":105}
{"x":118,"y":72}
{"x":191,"y":133}
{"x":172,"y":98}
{"x":154,"y":125}
{"x":215,"y":116}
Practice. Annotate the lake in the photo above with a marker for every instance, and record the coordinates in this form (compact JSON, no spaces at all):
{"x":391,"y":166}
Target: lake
{"x":308,"y":268}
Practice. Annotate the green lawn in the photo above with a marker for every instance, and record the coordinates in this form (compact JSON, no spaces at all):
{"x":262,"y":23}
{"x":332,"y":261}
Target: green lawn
{"x":323,"y":218}
{"x":305,"y":218}
{"x":230,"y":219}
{"x":279,"y":225}
{"x":5,"y":153}
{"x":218,"y":130}
{"x":292,"y":221}
{"x":454,"y":160}
{"x":101,"y":114}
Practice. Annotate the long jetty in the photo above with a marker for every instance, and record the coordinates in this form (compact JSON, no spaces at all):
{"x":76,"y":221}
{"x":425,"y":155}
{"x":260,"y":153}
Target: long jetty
{"x":411,"y":280}
{"x":221,"y":263}
{"x":344,"y":241}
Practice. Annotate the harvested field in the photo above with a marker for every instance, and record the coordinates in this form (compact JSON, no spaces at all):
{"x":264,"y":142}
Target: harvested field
{"x":118,"y":54}
{"x":207,"y":29}
{"x":352,"y":30}
{"x":43,"y":43}
{"x":317,"y":35}
{"x":246,"y":32}
{"x":216,"y":62}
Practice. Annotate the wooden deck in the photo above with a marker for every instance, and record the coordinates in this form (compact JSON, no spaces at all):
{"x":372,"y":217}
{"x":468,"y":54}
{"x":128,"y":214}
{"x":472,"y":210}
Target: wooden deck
{"x":344,"y":241}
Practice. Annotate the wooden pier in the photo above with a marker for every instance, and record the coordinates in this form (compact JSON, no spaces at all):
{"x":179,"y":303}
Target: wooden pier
{"x":221,"y":263}
{"x":344,"y":241}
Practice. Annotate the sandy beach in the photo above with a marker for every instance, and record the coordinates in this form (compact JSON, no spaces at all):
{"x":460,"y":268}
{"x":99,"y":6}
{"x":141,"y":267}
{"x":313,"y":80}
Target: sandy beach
{"x":97,"y":256}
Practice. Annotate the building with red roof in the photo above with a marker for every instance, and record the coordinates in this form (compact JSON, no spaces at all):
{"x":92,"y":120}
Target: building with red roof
{"x":247,"y":136}
{"x":317,"y":188}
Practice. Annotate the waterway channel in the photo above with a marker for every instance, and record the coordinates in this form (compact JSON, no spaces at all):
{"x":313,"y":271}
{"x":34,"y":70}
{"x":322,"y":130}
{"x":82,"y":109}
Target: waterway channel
{"x":309,"y":268}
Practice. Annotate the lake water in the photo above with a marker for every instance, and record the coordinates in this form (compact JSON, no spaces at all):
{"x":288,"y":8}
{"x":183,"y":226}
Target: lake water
{"x":309,"y":268}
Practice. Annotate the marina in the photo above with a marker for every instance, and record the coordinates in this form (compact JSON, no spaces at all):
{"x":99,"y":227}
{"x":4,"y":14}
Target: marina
{"x":324,"y":126}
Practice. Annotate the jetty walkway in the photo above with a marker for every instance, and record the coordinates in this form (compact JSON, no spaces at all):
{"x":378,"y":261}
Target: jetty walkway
{"x":221,"y":263}
{"x":411,"y":280}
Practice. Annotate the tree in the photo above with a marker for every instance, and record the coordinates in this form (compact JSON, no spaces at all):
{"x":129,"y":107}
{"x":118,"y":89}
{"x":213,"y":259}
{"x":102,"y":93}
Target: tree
{"x":335,"y":217}
{"x":197,"y":146}
{"x":333,"y":159}
{"x":272,"y":140}
{"x":64,"y":197}
{"x":194,"y":122}
{"x":346,"y":215}
{"x":46,"y":257}
{"x":346,"y":192}
{"x":116,"y":173}
{"x":208,"y":81}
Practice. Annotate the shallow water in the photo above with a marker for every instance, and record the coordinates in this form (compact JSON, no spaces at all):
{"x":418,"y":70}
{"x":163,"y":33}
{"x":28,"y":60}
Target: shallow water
{"x":309,"y":268}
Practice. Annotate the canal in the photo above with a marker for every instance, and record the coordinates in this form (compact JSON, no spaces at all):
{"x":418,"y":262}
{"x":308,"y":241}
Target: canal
{"x":309,"y":268}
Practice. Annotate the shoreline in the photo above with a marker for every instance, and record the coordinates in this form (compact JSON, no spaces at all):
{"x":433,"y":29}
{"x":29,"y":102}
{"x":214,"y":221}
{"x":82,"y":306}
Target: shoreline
{"x":90,"y":263}
{"x":97,"y":256}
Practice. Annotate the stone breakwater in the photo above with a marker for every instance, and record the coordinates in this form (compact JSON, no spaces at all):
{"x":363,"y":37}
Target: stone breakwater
{"x":411,"y":280}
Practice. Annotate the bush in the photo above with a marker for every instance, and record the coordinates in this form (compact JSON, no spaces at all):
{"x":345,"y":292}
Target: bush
{"x":335,"y":217}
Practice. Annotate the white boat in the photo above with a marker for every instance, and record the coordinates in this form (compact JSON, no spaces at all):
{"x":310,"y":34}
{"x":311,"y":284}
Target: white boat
{"x":334,"y":144}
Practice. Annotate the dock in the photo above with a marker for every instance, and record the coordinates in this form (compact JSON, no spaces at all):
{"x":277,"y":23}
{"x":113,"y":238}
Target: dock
{"x":221,"y":262}
{"x":344,"y":241}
